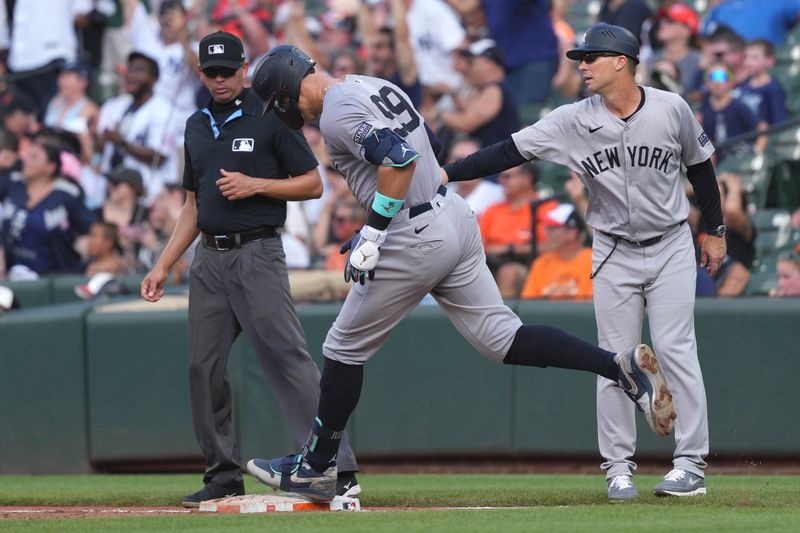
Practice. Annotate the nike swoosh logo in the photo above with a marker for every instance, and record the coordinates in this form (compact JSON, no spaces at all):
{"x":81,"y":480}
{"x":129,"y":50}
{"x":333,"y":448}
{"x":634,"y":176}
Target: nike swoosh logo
{"x":633,"y":388}
{"x":592,"y":130}
{"x":418,"y":230}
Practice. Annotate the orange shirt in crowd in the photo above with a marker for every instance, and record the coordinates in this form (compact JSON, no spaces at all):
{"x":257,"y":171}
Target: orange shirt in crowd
{"x":501,"y":224}
{"x":553,"y":277}
{"x":335,"y":260}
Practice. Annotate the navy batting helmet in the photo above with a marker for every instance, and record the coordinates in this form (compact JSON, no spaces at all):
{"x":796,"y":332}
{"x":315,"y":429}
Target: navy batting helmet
{"x":276,"y":80}
{"x":607,"y":38}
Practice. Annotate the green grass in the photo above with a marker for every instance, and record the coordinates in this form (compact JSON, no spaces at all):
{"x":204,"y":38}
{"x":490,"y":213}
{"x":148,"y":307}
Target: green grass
{"x":551,"y":503}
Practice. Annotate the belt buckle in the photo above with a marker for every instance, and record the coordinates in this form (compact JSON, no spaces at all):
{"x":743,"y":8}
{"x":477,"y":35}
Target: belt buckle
{"x":217,"y":239}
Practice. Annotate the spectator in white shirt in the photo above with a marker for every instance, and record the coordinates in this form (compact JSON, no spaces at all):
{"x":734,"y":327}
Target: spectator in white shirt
{"x":143,"y":136}
{"x":167,"y":41}
{"x":42,"y":40}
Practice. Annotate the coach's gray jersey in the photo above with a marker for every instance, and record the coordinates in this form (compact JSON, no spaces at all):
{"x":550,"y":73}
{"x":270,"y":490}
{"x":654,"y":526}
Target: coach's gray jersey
{"x":632,"y":169}
{"x":359,"y":105}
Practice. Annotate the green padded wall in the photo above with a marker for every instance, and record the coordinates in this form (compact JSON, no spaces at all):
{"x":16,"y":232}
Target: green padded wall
{"x":43,"y":392}
{"x":138,"y":386}
{"x":34,"y":293}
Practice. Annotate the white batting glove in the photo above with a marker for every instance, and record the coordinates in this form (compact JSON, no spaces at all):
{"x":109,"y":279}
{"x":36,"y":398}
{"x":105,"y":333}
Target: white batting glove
{"x":365,"y":251}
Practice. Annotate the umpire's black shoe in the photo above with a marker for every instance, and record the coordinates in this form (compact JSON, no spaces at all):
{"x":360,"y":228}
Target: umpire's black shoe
{"x":347,"y":485}
{"x":212,"y":491}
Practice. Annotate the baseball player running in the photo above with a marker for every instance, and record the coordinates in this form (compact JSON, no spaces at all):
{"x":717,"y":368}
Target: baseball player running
{"x":419,"y":239}
{"x":629,"y":144}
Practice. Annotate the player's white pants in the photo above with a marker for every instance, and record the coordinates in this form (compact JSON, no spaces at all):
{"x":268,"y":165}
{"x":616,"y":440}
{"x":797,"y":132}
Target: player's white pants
{"x":661,"y":280}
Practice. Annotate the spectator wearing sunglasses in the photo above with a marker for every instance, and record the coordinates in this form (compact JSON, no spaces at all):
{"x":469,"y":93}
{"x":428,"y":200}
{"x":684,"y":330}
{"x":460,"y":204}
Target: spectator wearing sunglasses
{"x":722,"y":116}
{"x":240,"y":170}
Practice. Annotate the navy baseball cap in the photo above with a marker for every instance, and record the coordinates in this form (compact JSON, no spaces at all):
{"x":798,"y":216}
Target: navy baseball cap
{"x":221,"y":49}
{"x":81,"y":68}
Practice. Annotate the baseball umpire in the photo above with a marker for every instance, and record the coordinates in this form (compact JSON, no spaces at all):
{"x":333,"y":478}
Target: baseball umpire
{"x":237,"y":177}
{"x":419,"y":239}
{"x":629,"y":144}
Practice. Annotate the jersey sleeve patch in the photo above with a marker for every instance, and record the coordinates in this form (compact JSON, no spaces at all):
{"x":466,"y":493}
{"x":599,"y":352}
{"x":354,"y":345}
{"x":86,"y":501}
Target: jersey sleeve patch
{"x":703,"y":139}
{"x":361,"y":132}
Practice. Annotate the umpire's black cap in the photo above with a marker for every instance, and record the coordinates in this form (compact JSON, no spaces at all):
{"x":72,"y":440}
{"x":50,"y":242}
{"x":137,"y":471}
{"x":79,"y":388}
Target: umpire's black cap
{"x":221,"y":49}
{"x":607,"y":38}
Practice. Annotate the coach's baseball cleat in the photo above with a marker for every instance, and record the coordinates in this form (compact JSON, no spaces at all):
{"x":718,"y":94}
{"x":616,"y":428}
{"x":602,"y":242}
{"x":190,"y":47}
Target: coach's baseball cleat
{"x":643,"y":382}
{"x":621,"y":489}
{"x":212,"y":491}
{"x":292,"y":473}
{"x":680,"y":483}
{"x":347,"y":485}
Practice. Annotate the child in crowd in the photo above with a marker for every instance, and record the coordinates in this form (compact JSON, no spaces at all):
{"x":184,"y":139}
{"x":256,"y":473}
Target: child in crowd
{"x":788,"y":269}
{"x":103,"y":250}
{"x":762,"y":93}
{"x":722,"y":116}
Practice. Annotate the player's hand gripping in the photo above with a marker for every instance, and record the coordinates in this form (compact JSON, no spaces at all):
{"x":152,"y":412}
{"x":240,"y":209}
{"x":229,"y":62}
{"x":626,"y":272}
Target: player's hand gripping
{"x":365,"y":249}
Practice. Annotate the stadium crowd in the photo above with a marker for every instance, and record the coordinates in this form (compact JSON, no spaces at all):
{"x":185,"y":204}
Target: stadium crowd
{"x":94,"y":96}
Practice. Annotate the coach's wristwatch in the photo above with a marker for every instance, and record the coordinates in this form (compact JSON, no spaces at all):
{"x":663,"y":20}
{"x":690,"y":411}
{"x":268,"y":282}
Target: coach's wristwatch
{"x":721,"y":230}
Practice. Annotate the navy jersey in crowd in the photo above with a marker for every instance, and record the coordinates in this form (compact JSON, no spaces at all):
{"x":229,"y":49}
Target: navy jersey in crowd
{"x":42,"y":237}
{"x":727,"y":123}
{"x":768,"y":103}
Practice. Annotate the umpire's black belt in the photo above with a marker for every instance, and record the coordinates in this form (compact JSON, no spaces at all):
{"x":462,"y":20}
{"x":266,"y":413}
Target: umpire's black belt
{"x":645,"y":243}
{"x":427,"y":206}
{"x":228,"y":241}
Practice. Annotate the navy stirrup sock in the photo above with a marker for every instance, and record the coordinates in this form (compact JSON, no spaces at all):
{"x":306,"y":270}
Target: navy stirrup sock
{"x":544,"y":346}
{"x":340,"y":389}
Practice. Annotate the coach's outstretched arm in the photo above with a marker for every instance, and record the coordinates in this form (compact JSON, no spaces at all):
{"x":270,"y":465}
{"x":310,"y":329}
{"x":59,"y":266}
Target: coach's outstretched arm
{"x":490,"y":160}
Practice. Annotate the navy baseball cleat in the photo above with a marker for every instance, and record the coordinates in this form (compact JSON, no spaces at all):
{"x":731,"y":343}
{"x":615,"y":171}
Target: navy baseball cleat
{"x":642,"y":381}
{"x":292,"y":473}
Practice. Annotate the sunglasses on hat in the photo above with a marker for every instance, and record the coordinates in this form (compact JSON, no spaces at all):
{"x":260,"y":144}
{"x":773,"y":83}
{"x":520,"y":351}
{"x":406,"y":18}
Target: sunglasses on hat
{"x":225,"y":72}
{"x":591,"y":57}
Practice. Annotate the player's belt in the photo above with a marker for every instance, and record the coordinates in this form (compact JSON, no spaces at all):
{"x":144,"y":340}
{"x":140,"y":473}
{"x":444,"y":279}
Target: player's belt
{"x":427,"y":206}
{"x":228,"y":241}
{"x":645,"y":243}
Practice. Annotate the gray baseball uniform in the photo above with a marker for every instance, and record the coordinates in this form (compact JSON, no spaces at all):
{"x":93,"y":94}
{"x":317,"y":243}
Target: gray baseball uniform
{"x":633,"y":171}
{"x":437,"y":251}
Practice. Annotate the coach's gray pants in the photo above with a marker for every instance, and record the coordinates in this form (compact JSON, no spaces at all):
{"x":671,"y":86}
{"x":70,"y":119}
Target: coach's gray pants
{"x":247,"y":289}
{"x":660,"y":279}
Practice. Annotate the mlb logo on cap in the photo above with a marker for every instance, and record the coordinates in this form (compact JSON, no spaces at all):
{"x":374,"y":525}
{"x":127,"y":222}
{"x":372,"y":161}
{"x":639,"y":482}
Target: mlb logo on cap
{"x":242,"y":145}
{"x":221,"y":49}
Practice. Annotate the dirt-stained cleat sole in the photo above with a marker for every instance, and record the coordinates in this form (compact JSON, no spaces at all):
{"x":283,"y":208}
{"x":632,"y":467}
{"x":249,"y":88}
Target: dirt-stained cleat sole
{"x":643,"y":382}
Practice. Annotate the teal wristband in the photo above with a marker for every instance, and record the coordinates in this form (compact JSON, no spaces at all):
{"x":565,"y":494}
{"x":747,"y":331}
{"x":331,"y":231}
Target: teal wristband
{"x":388,"y":207}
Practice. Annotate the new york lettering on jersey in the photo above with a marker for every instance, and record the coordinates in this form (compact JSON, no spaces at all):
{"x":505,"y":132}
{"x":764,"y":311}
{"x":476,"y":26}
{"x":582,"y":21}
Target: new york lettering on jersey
{"x":658,"y":158}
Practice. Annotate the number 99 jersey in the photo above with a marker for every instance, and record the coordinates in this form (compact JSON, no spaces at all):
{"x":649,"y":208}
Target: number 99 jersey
{"x":360,"y":105}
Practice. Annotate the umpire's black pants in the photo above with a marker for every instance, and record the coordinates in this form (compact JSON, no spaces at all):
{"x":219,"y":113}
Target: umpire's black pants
{"x":247,"y":289}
